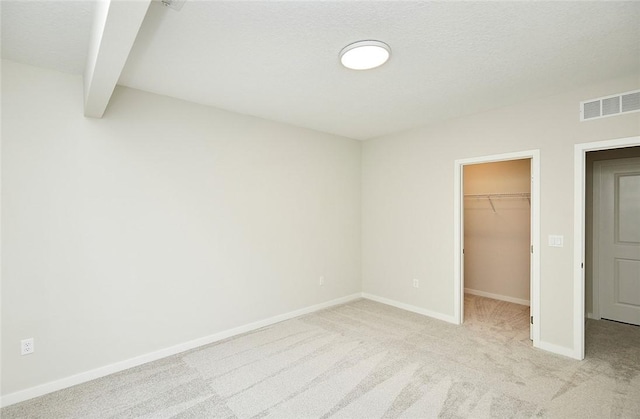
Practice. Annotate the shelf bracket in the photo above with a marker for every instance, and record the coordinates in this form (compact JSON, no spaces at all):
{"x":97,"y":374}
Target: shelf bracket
{"x":491,"y":202}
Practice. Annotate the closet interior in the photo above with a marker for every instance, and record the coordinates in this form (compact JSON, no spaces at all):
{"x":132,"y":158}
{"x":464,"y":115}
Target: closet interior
{"x":497,"y":230}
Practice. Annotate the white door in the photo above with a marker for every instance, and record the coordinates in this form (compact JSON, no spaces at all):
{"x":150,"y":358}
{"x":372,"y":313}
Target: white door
{"x":617,"y":239}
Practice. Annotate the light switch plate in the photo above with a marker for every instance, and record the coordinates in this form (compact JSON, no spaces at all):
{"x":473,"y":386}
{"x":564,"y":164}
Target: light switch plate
{"x":556,"y":241}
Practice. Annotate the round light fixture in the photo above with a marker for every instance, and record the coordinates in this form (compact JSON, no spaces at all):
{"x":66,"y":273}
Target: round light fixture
{"x":365,"y":55}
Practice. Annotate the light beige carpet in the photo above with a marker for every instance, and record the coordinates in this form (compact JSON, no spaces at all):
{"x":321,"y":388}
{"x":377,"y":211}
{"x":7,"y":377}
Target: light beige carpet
{"x":369,"y":360}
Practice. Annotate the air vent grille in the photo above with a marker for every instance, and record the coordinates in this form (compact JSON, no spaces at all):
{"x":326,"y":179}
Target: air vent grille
{"x":631,"y":102}
{"x":610,"y":105}
{"x":592,"y":109}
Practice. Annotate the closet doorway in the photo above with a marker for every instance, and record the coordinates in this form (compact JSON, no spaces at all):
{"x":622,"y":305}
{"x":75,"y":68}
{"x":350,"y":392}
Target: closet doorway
{"x":497,"y":234}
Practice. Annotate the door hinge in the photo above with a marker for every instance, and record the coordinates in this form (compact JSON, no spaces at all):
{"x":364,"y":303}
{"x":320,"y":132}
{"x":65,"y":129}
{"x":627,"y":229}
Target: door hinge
{"x":582,"y":265}
{"x":531,"y":319}
{"x":531,"y":248}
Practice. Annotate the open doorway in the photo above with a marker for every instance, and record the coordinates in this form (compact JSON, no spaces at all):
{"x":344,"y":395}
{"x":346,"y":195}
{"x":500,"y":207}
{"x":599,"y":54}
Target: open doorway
{"x":606,"y":169}
{"x":586,"y":230}
{"x":612,"y":247}
{"x":497,"y":245}
{"x":511,"y":202}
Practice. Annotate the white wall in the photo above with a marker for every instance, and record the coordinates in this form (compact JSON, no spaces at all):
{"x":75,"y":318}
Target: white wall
{"x":497,"y":239}
{"x":163,"y":222}
{"x":408,"y":198}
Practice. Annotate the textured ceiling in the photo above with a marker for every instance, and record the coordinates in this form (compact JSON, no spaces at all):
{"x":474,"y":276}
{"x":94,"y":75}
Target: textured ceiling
{"x":279,"y":60}
{"x":51,"y":34}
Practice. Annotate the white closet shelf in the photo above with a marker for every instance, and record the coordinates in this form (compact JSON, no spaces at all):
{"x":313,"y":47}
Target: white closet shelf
{"x":492,"y":196}
{"x":499,"y":195}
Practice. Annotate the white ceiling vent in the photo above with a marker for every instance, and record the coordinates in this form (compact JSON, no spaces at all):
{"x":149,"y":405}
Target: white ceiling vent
{"x":610,"y":105}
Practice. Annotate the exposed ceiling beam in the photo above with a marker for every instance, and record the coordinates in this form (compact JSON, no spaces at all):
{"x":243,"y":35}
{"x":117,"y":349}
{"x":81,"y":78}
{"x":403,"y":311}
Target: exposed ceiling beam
{"x":115,"y":27}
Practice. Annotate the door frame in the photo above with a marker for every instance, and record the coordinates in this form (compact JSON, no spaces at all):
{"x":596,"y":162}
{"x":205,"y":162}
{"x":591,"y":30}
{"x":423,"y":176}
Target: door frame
{"x":458,"y":227}
{"x":579,"y":220}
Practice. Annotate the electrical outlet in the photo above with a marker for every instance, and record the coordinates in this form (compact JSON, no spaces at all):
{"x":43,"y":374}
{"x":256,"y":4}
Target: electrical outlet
{"x":416,"y":283}
{"x":321,"y":281}
{"x":26,"y":346}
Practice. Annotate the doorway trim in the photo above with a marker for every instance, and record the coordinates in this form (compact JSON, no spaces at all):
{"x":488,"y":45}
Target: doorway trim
{"x":458,"y":231}
{"x":579,"y":219}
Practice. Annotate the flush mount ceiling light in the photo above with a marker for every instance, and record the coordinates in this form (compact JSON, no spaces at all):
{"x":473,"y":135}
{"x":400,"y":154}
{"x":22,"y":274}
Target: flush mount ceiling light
{"x":365,"y":55}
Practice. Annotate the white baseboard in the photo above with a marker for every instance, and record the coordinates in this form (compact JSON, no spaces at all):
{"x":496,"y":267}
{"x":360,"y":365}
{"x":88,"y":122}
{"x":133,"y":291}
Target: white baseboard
{"x":497,"y":297}
{"x":83,"y":377}
{"x":408,"y":307}
{"x":593,"y":316}
{"x":557,"y":349}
